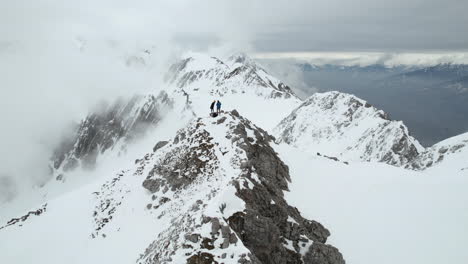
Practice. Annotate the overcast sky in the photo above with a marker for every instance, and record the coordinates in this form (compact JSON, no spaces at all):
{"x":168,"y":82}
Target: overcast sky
{"x":366,"y":25}
{"x":258,"y":25}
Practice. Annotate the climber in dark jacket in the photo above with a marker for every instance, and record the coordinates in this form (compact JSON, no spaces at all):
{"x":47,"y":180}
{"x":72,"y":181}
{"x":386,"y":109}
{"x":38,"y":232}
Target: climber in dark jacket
{"x":212,"y":106}
{"x":218,"y":106}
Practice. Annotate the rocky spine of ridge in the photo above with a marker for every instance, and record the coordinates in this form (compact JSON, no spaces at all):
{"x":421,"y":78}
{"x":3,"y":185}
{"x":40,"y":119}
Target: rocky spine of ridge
{"x":341,"y":124}
{"x":121,"y":121}
{"x":221,"y":184}
{"x":221,"y":76}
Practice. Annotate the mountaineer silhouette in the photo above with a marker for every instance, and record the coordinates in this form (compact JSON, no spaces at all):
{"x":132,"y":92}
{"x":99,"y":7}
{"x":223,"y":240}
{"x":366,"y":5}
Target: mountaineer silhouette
{"x":212,"y":106}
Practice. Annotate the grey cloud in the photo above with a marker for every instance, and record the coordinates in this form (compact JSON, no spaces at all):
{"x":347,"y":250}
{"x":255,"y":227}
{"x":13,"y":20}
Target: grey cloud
{"x":340,"y":25}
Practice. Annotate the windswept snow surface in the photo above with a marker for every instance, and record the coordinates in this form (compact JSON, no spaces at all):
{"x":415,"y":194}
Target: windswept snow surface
{"x":383,"y":214}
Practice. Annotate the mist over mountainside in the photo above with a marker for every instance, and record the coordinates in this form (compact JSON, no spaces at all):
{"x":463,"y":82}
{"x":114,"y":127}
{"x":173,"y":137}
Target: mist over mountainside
{"x":431,"y":100}
{"x":159,"y":179}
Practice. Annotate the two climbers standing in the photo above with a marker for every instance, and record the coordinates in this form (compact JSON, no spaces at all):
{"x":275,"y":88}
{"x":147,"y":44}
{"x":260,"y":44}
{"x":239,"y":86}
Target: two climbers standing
{"x":218,"y":107}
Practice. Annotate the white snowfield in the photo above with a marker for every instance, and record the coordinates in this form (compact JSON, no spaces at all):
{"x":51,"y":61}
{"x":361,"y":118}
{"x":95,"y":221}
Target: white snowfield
{"x":376,"y":212}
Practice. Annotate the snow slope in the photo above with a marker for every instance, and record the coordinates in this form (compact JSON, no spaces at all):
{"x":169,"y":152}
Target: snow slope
{"x":342,"y":125}
{"x":213,"y":192}
{"x":380,"y":213}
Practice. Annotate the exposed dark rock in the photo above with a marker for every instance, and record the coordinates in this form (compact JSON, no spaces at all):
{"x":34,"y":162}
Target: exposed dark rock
{"x":235,"y":113}
{"x":159,"y":145}
{"x":59,"y":177}
{"x":207,"y":243}
{"x":25,"y":217}
{"x":202,"y":258}
{"x":221,"y":120}
{"x":323,"y":254}
{"x":153,"y":185}
{"x":192,"y":237}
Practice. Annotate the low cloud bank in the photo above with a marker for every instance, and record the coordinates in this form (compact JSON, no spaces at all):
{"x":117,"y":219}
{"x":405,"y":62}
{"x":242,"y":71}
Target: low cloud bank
{"x":369,"y":58}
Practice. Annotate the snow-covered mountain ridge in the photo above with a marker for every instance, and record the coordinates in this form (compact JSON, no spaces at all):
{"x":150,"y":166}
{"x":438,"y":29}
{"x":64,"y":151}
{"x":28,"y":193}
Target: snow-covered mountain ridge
{"x":238,"y":82}
{"x":223,"y":190}
{"x":343,"y":125}
{"x":212,"y":194}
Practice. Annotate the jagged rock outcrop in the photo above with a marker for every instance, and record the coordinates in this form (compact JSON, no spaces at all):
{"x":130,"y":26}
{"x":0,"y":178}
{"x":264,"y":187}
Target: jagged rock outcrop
{"x":231,"y":182}
{"x":120,"y":122}
{"x":343,"y":125}
{"x":19,"y":220}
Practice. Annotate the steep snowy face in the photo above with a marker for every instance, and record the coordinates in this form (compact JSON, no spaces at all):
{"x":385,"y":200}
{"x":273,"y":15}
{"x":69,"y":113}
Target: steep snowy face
{"x":238,"y":82}
{"x":212,"y":194}
{"x":343,"y":125}
{"x":451,"y":153}
{"x":111,"y":127}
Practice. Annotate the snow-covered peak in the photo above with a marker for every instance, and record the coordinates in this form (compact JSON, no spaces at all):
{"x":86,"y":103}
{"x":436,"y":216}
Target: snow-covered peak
{"x":343,"y":125}
{"x":238,"y":82}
